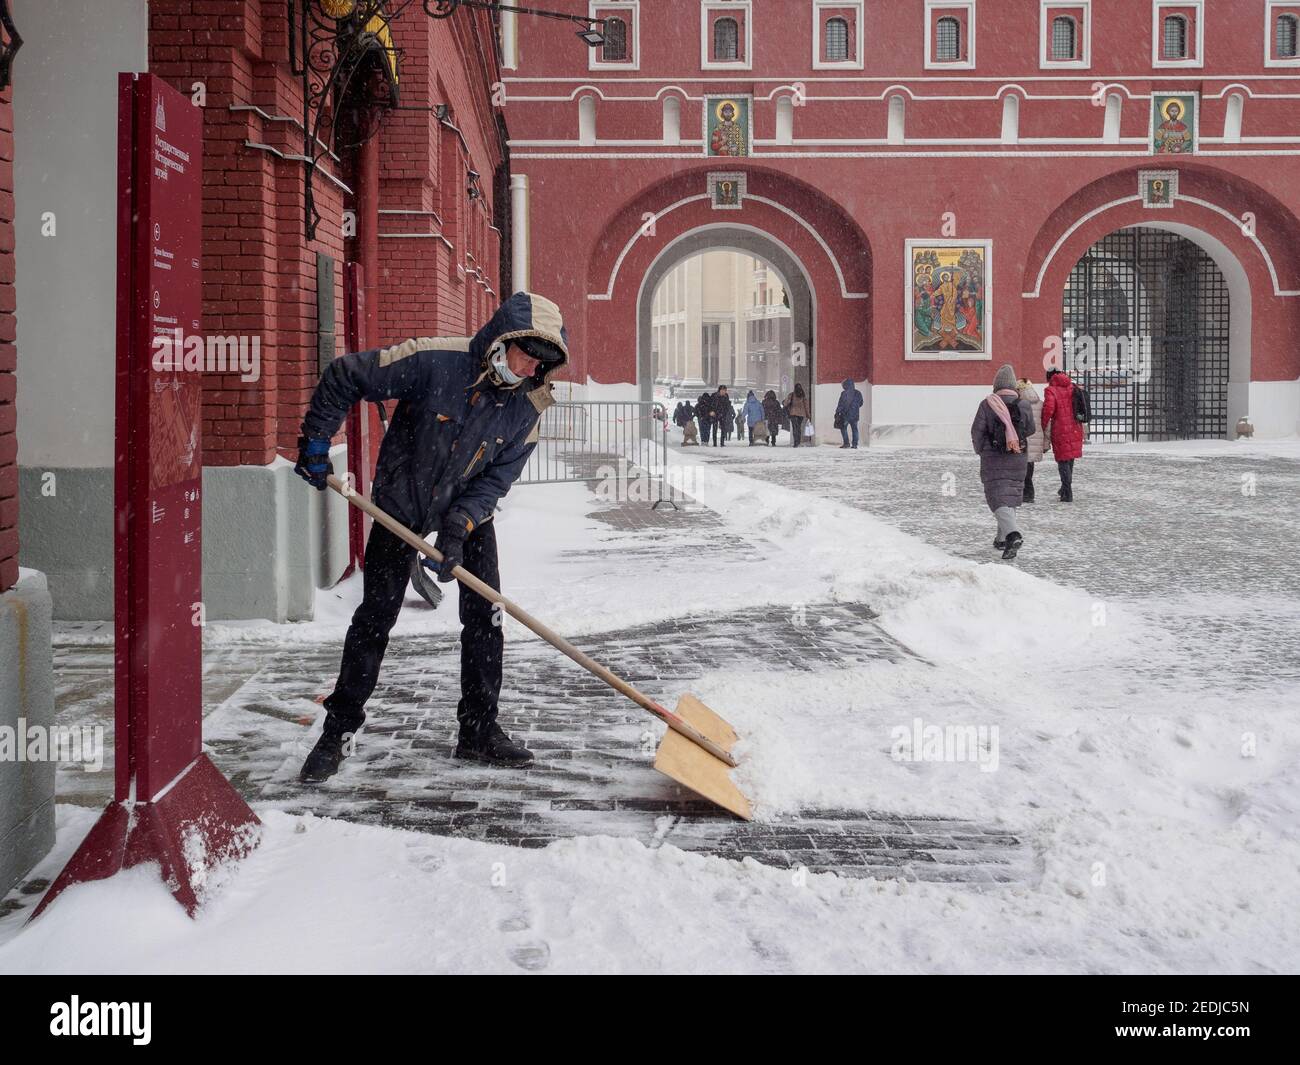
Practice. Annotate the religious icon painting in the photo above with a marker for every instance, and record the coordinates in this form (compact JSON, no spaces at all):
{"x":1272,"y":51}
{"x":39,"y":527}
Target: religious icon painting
{"x":726,"y":191}
{"x":728,"y":125}
{"x":948,"y":299}
{"x":1158,"y":188}
{"x":1173,"y":123}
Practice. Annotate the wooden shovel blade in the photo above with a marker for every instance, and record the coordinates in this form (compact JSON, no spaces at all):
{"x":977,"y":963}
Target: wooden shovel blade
{"x":695,"y":768}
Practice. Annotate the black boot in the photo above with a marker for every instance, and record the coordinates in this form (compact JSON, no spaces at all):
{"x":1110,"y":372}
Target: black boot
{"x":323,"y":762}
{"x":495,"y":748}
{"x":998,"y":545}
{"x":1014,"y":540}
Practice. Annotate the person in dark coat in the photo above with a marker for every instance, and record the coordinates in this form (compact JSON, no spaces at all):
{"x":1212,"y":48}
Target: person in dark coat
{"x":704,"y":415}
{"x":773,"y":415}
{"x":847,"y":412}
{"x":1000,"y":434}
{"x":724,"y":415}
{"x":466,"y":421}
{"x":1038,"y":439}
{"x":1062,"y":429}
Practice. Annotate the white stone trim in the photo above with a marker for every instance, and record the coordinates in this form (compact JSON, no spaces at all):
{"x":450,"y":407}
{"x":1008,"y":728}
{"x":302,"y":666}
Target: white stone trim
{"x":608,"y":294}
{"x":634,"y":33}
{"x":947,"y":64}
{"x":1269,"y":23}
{"x":706,"y":33}
{"x":819,"y":39}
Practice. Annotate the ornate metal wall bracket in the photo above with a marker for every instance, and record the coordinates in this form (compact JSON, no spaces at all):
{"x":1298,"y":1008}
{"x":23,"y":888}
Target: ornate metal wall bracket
{"x":344,"y":53}
{"x":9,"y":48}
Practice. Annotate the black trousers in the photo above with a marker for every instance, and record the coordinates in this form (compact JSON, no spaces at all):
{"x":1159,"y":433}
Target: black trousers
{"x":387,"y":572}
{"x":1067,"y":478}
{"x":1029,"y":484}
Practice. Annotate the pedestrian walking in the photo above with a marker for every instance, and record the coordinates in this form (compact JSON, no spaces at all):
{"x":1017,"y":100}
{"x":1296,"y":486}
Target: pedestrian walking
{"x":796,"y":405}
{"x":704,"y":415}
{"x":773,"y":415}
{"x":1000,"y":435}
{"x":847,"y":412}
{"x":1037,"y":439}
{"x":1063,"y":429}
{"x":723,"y":414}
{"x":752,"y":413}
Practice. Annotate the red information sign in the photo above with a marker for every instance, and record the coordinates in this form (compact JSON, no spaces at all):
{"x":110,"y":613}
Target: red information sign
{"x":158,"y":567}
{"x":172,"y":806}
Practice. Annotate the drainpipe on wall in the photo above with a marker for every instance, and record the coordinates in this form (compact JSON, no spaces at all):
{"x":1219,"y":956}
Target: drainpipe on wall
{"x":519,"y":232}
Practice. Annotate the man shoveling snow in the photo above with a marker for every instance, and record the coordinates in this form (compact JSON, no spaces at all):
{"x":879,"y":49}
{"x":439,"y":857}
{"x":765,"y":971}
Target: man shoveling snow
{"x":465,"y":424}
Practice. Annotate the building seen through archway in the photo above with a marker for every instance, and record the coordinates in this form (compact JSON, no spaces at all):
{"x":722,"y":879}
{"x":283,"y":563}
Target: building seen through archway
{"x":721,"y":317}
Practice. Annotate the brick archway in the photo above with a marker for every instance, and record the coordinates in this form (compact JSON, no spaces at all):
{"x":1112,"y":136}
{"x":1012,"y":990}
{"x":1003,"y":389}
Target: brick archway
{"x":813,"y":244}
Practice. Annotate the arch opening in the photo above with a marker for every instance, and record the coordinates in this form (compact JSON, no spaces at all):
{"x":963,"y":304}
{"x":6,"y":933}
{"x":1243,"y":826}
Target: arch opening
{"x":1156,"y":326}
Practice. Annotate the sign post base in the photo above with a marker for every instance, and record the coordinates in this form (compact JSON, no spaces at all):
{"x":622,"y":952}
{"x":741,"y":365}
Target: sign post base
{"x":200,"y":822}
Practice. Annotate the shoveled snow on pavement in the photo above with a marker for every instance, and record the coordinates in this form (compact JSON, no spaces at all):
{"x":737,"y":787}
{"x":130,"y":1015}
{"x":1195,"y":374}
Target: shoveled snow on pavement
{"x":1160,"y":796}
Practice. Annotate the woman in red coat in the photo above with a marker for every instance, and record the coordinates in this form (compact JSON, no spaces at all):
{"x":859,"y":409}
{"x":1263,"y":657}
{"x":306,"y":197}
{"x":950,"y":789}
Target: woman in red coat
{"x":1066,"y":433}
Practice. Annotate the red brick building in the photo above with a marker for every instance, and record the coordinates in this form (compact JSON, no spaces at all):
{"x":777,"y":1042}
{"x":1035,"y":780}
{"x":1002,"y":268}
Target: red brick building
{"x":398,"y":233}
{"x":944,"y":186}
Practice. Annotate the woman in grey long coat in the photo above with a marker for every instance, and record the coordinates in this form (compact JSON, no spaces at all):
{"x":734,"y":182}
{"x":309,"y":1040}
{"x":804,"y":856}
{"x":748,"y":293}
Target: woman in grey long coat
{"x":1037,"y":439}
{"x":999,"y":433}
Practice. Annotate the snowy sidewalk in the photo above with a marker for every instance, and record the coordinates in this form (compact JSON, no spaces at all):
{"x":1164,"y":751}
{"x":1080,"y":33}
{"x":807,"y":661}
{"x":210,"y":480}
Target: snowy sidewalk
{"x":1131,"y":805}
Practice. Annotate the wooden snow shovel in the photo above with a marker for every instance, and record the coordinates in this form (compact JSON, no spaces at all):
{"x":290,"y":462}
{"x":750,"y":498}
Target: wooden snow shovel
{"x":696,"y":749}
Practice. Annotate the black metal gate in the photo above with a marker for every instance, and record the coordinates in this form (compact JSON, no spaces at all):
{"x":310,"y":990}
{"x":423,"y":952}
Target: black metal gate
{"x":1145,"y":327}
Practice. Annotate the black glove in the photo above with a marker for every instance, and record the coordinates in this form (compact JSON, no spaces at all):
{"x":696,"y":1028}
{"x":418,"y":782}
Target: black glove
{"x":451,"y":544}
{"x":313,"y":460}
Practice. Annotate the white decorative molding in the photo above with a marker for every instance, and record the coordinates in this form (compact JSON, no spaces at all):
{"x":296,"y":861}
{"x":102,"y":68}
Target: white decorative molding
{"x":1196,"y":39}
{"x":835,"y":263}
{"x":1082,"y":219}
{"x":1083,"y":38}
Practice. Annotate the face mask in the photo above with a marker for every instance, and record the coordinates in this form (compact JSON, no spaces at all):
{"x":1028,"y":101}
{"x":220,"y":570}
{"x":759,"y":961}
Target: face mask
{"x":498,"y":361}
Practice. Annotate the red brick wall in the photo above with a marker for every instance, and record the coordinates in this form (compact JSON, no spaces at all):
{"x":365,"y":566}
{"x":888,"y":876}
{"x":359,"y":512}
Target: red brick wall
{"x":8,"y":354}
{"x":259,"y":269}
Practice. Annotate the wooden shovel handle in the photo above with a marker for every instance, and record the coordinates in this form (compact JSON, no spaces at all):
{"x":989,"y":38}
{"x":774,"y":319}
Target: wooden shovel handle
{"x":673,"y":721}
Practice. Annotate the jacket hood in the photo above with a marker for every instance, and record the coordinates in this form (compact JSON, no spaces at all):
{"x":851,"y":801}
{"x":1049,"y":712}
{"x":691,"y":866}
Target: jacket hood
{"x":525,"y":314}
{"x":1060,"y":380}
{"x":848,"y":384}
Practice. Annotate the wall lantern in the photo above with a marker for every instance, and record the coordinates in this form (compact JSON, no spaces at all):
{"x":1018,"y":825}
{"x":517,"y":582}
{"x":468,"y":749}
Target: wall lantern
{"x":591,"y":31}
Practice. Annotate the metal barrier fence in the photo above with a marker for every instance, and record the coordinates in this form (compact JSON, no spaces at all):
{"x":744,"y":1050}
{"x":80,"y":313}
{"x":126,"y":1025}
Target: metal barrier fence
{"x":601,"y":439}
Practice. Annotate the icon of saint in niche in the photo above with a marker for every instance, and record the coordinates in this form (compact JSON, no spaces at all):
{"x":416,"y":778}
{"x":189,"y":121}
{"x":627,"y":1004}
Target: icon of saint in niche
{"x":1173,"y":137}
{"x":728,"y":135}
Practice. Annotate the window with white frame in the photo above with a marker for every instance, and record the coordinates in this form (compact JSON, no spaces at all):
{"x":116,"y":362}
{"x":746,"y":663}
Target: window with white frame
{"x":950,"y":34}
{"x":1177,"y":33}
{"x":621,"y":29}
{"x":1064,"y":32}
{"x":725,"y":30}
{"x":837,"y":34}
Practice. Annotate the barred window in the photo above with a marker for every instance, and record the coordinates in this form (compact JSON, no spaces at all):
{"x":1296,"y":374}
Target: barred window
{"x":615,"y":48}
{"x":948,"y":39}
{"x":726,"y":40}
{"x":1063,"y":38}
{"x":837,"y":39}
{"x":1175,"y":37}
{"x":1285,"y":36}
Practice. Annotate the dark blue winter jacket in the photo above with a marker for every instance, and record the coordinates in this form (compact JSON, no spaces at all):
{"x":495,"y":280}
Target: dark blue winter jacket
{"x":850,"y":403}
{"x":459,"y":436}
{"x":753,"y":410}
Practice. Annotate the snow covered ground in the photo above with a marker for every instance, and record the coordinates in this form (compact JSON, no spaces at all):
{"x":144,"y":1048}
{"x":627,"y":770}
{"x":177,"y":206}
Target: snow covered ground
{"x":1132,"y":728}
